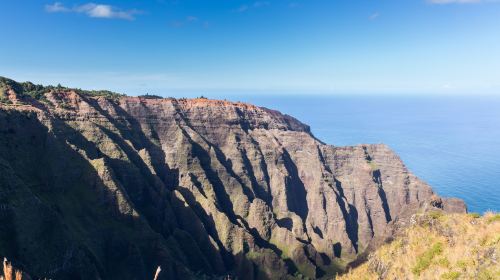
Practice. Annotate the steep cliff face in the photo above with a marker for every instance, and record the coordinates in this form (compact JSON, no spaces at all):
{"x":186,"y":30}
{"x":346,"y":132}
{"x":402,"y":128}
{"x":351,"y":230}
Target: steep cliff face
{"x":112,"y":187}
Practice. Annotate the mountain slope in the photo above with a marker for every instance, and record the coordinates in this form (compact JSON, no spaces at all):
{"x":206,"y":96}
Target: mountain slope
{"x":99,"y":185}
{"x":438,"y":246}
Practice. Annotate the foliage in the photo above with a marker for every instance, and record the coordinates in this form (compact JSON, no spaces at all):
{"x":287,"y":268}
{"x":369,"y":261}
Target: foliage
{"x":438,"y":246}
{"x":97,"y":93}
{"x":452,"y":275}
{"x":37,"y":91}
{"x":424,"y":261}
{"x":494,"y":218}
{"x":435,"y":214}
{"x":475,"y":215}
{"x":373,"y":165}
{"x":150,"y":96}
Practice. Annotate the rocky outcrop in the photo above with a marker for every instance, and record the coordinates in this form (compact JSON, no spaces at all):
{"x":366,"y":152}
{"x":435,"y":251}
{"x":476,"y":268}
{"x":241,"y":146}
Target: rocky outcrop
{"x":113,"y":187}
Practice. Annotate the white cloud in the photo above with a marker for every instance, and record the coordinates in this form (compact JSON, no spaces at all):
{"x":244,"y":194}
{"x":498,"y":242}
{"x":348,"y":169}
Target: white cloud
{"x":94,"y":10}
{"x":374,"y":16}
{"x":57,"y":7}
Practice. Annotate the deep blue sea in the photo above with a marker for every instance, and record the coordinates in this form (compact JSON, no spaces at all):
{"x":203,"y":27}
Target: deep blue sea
{"x":452,"y":143}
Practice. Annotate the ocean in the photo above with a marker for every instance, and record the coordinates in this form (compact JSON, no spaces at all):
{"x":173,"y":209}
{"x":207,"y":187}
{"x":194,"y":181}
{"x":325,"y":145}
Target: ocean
{"x":452,"y":143}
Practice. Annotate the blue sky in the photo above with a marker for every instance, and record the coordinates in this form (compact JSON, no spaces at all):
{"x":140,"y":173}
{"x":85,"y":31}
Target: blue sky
{"x":186,"y":47}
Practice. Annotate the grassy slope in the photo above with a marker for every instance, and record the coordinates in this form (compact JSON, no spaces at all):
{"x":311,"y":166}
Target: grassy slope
{"x":439,"y":246}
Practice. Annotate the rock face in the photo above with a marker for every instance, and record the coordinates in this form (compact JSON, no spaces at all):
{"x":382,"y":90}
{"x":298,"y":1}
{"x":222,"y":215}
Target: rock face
{"x":108,"y":187}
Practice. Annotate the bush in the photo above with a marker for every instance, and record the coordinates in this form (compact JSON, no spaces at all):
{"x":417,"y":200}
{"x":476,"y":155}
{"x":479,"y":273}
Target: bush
{"x":452,"y":275}
{"x":462,"y":265}
{"x":475,"y":215}
{"x":150,"y":96}
{"x":494,"y":218}
{"x":96,"y":93}
{"x":38,"y":91}
{"x":435,"y":214}
{"x":444,"y":262}
{"x":425,"y":260}
{"x":485,"y":275}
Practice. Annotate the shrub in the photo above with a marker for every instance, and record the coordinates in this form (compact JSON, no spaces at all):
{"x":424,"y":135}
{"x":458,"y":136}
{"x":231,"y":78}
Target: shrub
{"x":150,"y":96}
{"x":425,"y":260}
{"x":475,"y":215}
{"x":444,"y":262}
{"x":452,"y":275}
{"x":373,"y":165}
{"x":494,"y":218}
{"x":485,"y":275}
{"x":435,"y":214}
{"x":104,"y":93}
{"x":462,"y":265}
{"x":4,"y":99}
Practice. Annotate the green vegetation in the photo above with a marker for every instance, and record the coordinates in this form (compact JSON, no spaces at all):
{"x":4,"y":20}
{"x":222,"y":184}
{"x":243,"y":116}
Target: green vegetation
{"x":438,"y":246}
{"x":444,"y":262}
{"x":435,"y":214}
{"x":452,"y":275}
{"x":475,"y":215}
{"x":298,"y":275}
{"x":254,"y":255}
{"x":37,"y":91}
{"x":487,"y":275}
{"x":373,"y":165}
{"x":150,"y":96}
{"x":494,"y":218}
{"x":424,"y":261}
{"x":4,"y":99}
{"x":97,"y":93}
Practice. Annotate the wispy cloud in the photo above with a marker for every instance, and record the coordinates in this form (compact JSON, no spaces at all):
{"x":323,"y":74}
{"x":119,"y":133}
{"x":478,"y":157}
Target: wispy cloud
{"x":254,"y":5}
{"x":94,"y":10}
{"x":190,"y":20}
{"x":374,"y":16}
{"x":56,"y":8}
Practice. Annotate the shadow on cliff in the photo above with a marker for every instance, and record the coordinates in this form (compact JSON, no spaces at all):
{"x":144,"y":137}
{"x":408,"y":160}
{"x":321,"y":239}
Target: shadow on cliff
{"x":225,"y":204}
{"x":101,"y":239}
{"x":295,"y":189}
{"x":115,"y":245}
{"x":140,"y":141}
{"x":350,"y":214}
{"x":135,"y":134}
